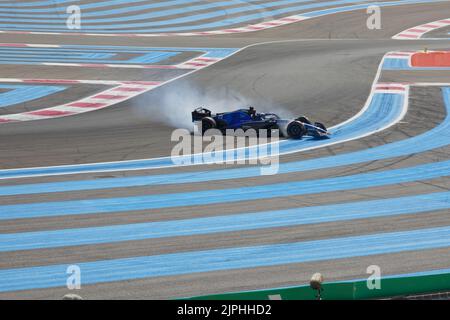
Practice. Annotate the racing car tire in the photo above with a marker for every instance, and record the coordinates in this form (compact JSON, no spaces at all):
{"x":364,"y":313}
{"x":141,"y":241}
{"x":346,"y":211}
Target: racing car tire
{"x":303,"y":119}
{"x":208,"y":123}
{"x":296,"y":130}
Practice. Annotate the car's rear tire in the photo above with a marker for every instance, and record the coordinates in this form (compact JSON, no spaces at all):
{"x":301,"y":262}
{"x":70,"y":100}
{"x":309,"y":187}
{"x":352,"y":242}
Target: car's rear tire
{"x":208,"y":123}
{"x":296,"y":130}
{"x":303,"y":119}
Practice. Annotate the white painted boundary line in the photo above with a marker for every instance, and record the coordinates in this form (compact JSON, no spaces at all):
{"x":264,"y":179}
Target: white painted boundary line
{"x":400,"y":54}
{"x":418,"y":31}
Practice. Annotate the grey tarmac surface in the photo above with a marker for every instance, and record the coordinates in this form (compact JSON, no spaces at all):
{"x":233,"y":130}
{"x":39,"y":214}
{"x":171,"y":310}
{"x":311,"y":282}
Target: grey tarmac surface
{"x":330,"y":82}
{"x":328,"y":79}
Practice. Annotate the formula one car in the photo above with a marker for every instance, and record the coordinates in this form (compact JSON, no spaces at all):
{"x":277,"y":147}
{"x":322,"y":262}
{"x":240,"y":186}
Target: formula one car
{"x":249,"y":119}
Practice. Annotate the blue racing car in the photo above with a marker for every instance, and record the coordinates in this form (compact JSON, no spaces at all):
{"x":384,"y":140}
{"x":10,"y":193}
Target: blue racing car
{"x":249,"y":119}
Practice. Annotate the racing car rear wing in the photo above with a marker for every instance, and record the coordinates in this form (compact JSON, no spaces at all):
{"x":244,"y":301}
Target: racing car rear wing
{"x":200,"y":113}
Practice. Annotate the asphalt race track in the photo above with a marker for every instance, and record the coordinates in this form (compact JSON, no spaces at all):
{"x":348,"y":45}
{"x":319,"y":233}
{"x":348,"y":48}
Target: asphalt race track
{"x":86,"y":117}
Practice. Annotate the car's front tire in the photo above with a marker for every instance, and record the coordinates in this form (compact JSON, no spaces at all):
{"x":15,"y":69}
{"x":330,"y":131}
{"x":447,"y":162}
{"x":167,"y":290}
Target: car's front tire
{"x":296,"y":130}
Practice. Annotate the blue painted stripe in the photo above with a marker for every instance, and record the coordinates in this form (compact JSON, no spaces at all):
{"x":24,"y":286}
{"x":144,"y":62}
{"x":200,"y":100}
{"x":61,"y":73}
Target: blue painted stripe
{"x":74,"y":50}
{"x":185,"y":19}
{"x":95,"y":51}
{"x":395,"y":64}
{"x":383,"y":110}
{"x":26,"y":52}
{"x":34,"y":3}
{"x":75,"y":55}
{"x":153,"y":57}
{"x":71,"y":49}
{"x":127,"y":28}
{"x":24,"y":93}
{"x":148,"y":57}
{"x":44,"y":57}
{"x":268,"y":191}
{"x":227,"y":259}
{"x":126,"y":12}
{"x":228,"y":223}
{"x":18,"y":7}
